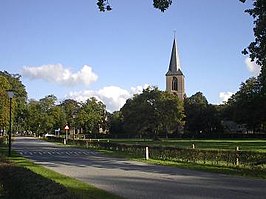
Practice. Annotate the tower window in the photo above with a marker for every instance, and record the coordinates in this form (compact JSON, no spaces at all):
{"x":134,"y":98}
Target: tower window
{"x":174,"y":84}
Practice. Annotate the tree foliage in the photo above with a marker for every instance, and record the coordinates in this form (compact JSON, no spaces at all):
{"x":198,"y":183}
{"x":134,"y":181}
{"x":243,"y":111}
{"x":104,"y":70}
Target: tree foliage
{"x":162,"y":5}
{"x":44,"y":116}
{"x":115,"y":123}
{"x":201,"y":117}
{"x":92,"y":116}
{"x":152,"y":112}
{"x":257,"y":49}
{"x":4,"y":105}
{"x":246,"y":106}
{"x":71,"y":109}
{"x":12,"y":82}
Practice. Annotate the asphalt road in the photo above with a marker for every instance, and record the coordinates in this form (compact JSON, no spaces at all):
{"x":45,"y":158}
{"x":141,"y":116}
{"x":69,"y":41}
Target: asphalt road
{"x":136,"y":180}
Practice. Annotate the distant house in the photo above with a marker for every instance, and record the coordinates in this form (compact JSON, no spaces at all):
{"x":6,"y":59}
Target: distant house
{"x":233,"y":127}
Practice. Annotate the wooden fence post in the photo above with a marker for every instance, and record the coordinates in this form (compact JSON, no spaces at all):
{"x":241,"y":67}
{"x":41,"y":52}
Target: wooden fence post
{"x":147,"y":152}
{"x":237,"y":156}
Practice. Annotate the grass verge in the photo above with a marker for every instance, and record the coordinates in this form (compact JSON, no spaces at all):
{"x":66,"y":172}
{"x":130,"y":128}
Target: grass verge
{"x":237,"y":171}
{"x":250,"y":171}
{"x":253,"y":172}
{"x":247,"y":171}
{"x":257,"y":145}
{"x":80,"y":189}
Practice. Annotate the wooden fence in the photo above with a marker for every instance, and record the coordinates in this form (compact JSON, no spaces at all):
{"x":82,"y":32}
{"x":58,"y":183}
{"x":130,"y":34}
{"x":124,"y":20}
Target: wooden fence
{"x":201,"y":156}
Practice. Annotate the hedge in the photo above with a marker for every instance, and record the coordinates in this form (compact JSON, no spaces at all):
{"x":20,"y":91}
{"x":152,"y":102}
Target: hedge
{"x":214,"y":157}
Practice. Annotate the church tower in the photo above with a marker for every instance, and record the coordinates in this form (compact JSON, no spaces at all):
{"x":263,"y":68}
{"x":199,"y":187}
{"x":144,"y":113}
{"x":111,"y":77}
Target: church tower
{"x":175,"y":80}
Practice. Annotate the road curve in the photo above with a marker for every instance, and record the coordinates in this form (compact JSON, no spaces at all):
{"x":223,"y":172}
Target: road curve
{"x":135,"y":180}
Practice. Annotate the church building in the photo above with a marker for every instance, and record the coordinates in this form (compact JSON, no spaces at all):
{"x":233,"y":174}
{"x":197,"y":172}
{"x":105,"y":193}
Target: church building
{"x":175,"y":80}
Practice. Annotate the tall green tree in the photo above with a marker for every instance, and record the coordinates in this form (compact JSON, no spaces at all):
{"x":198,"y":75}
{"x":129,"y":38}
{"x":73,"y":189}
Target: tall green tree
{"x":152,"y":112}
{"x":58,"y":116}
{"x":19,"y":100}
{"x":257,"y":49}
{"x":34,"y":117}
{"x":44,"y":116}
{"x":4,"y":104}
{"x":201,"y":117}
{"x":115,"y":123}
{"x":195,"y":110}
{"x":171,"y":113}
{"x":245,"y":106}
{"x":71,"y":109}
{"x":92,"y":116}
{"x":52,"y":115}
{"x":141,"y":114}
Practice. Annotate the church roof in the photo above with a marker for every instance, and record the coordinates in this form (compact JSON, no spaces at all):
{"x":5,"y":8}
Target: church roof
{"x":174,"y":65}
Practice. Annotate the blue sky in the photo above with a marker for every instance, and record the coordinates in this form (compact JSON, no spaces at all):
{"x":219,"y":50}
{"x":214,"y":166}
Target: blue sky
{"x":70,"y":49}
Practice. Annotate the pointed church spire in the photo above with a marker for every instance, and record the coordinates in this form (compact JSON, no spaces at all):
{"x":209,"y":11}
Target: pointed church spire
{"x":175,"y":80}
{"x":174,"y":66}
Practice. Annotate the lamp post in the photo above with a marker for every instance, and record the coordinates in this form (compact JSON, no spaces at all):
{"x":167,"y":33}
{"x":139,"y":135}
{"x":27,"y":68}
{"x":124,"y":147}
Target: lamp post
{"x":66,"y":131}
{"x":10,"y":95}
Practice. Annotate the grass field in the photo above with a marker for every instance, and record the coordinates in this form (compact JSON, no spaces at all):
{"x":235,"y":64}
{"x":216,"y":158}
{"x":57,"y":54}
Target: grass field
{"x":258,"y":145}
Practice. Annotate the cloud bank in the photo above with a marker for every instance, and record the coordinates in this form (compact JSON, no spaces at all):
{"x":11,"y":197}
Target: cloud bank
{"x":252,"y":67}
{"x":56,"y":73}
{"x":112,"y":96}
{"x":224,"y":96}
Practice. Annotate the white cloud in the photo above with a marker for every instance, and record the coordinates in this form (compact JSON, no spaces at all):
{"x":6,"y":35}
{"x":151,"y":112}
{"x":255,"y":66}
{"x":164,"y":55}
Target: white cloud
{"x":252,"y":67}
{"x":56,"y":73}
{"x":138,"y":89}
{"x":224,"y":96}
{"x":112,"y":96}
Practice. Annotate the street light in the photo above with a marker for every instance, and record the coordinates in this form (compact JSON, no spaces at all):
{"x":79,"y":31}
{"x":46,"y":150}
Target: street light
{"x":66,"y":130}
{"x":10,"y":94}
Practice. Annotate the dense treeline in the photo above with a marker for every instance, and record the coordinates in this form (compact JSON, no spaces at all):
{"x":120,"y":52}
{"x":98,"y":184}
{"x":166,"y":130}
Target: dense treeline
{"x":151,"y":114}
{"x":12,"y":82}
{"x":47,"y":114}
{"x":248,"y":105}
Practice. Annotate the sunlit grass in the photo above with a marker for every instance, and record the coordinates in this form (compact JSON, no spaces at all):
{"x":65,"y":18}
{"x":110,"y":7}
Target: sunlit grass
{"x":247,"y":144}
{"x":257,"y":172}
{"x":240,"y":171}
{"x":257,"y":145}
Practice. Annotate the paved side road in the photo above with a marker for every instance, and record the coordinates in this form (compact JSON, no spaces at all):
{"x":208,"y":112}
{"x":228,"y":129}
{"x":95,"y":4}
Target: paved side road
{"x":136,"y":180}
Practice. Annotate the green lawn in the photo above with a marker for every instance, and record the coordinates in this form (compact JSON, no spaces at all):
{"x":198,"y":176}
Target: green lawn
{"x":258,"y":145}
